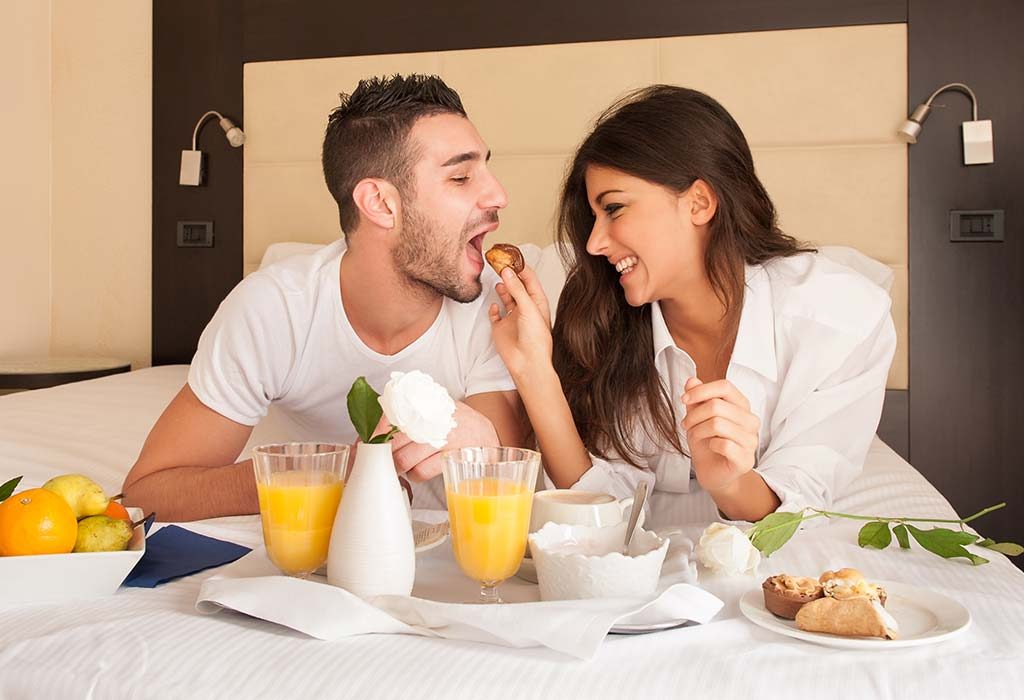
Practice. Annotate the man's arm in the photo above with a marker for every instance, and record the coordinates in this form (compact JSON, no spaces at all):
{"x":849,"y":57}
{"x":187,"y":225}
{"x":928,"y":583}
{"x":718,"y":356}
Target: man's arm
{"x":186,"y":471}
{"x":505,"y":411}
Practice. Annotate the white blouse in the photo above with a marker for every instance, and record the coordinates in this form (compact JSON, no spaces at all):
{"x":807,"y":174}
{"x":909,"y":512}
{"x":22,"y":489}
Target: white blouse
{"x":812,"y":356}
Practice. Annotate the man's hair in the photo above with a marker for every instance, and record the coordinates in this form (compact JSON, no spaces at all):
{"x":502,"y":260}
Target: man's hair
{"x":368,"y":135}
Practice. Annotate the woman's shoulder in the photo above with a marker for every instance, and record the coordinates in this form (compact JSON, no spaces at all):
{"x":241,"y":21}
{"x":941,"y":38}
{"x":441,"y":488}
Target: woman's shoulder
{"x":815,"y":288}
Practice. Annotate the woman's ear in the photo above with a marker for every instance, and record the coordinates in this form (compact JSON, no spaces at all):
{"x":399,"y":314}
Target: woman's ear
{"x":703,"y":202}
{"x":377,"y":201}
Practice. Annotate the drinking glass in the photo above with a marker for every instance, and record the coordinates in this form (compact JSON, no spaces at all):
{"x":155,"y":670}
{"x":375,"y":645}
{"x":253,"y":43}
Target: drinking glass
{"x":490,"y":493}
{"x":299,"y":486}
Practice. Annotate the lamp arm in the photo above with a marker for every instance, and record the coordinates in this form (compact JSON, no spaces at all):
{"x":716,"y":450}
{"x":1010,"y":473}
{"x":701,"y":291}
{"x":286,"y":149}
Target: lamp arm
{"x":954,"y":86}
{"x":207,"y":116}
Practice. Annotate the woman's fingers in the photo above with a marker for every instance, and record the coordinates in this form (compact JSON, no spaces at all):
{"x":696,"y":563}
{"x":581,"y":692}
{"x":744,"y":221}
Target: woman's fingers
{"x":535,"y":289}
{"x":719,"y":427}
{"x":505,"y":297}
{"x":721,"y":389}
{"x":699,"y":413}
{"x":522,"y":297}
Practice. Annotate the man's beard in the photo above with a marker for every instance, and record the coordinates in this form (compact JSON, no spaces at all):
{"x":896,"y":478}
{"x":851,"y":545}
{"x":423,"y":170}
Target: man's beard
{"x":429,"y":262}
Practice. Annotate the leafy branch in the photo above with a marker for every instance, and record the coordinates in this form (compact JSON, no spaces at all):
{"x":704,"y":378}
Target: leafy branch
{"x":773,"y":531}
{"x":8,"y":488}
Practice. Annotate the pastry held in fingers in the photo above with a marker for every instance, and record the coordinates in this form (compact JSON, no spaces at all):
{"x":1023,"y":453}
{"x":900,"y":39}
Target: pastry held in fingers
{"x":502,"y":255}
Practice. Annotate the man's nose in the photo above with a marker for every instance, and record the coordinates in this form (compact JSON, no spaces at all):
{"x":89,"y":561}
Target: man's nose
{"x":494,"y":195}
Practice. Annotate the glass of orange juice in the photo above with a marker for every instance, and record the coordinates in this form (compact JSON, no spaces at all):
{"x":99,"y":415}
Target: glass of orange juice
{"x":489,"y":492}
{"x":299,"y":486}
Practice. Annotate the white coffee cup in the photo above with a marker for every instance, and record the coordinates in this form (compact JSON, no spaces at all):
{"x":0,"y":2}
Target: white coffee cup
{"x":572,"y":507}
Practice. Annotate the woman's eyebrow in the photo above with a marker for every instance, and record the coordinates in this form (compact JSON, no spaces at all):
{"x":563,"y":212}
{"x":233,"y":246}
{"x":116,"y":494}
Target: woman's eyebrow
{"x":601,"y":196}
{"x":463,"y":157}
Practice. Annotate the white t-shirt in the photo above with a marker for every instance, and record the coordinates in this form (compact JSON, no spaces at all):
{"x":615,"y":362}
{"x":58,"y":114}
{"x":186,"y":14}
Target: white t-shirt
{"x":281,"y":337}
{"x":812,"y":357}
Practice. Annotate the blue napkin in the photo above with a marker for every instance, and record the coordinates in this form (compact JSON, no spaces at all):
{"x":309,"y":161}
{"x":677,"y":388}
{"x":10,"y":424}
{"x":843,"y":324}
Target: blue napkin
{"x":174,"y":552}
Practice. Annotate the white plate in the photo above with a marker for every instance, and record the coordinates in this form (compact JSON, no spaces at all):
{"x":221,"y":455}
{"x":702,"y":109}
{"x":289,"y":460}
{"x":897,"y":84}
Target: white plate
{"x":924,"y":617}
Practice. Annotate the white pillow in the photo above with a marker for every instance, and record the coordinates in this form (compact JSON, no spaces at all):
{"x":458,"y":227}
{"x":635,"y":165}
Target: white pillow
{"x":276,"y":252}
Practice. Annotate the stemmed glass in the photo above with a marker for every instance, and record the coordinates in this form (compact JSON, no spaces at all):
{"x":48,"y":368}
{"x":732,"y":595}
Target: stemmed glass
{"x":490,"y":493}
{"x":299,"y":486}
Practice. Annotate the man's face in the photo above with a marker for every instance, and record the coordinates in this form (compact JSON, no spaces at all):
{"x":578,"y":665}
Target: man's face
{"x":455,"y":205}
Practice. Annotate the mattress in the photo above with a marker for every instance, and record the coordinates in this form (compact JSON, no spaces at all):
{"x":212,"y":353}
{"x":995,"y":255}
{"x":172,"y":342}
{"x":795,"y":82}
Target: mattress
{"x":152,"y":643}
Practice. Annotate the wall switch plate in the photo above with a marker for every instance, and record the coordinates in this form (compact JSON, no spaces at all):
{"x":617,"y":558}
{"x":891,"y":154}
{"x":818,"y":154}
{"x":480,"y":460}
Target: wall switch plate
{"x":195,"y":234}
{"x":972,"y":225}
{"x":978,"y":142}
{"x":191,"y":168}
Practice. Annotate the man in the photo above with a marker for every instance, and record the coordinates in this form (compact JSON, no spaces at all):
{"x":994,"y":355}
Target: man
{"x":416,"y":199}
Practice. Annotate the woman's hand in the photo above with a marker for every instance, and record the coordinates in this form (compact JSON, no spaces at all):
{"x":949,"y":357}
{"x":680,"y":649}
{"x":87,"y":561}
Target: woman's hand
{"x":721,"y":432}
{"x":523,"y":335}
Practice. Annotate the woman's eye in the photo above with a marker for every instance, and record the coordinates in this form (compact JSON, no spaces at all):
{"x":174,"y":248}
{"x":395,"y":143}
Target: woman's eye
{"x":610,"y":209}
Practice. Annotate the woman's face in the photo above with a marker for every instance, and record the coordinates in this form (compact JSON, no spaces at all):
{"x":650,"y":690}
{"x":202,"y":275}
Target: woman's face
{"x":655,"y":238}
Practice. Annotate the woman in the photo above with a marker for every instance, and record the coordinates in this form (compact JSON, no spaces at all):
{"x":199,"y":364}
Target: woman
{"x":696,"y":346}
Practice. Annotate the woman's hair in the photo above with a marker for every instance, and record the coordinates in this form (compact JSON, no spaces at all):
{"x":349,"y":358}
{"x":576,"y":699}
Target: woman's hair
{"x":603,"y":347}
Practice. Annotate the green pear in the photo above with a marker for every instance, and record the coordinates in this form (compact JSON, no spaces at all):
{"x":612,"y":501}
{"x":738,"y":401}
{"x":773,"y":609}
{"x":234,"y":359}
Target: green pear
{"x":84,"y":495}
{"x":101,"y":533}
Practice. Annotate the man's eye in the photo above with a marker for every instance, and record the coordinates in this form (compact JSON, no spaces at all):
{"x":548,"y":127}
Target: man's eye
{"x":461,"y":179}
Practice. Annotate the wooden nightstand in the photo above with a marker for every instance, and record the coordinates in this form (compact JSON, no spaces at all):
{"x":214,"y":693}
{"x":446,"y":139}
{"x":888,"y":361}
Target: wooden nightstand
{"x":42,"y":372}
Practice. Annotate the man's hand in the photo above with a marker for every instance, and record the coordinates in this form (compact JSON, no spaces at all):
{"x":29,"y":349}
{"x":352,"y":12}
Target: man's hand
{"x":423,"y":462}
{"x":721,"y":431}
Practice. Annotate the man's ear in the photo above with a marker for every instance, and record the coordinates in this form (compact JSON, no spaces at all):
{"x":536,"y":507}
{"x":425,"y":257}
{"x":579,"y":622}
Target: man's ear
{"x":703,"y":202}
{"x":378,"y":202}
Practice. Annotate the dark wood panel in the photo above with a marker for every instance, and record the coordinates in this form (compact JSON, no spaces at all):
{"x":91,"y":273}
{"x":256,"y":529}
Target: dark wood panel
{"x":894,"y":427}
{"x":197,"y":66}
{"x":967,"y":299}
{"x":283,"y":29}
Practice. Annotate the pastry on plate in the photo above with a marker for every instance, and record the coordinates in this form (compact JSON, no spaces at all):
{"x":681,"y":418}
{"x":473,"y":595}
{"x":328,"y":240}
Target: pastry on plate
{"x":502,"y":255}
{"x":784,"y":595}
{"x":850,"y":606}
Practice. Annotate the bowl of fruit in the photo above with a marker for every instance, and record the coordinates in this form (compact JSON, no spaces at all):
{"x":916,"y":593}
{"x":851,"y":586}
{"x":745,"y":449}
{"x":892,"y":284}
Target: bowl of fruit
{"x":65,"y":541}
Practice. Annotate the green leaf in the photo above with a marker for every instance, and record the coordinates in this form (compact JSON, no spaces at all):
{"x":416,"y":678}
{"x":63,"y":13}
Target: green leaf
{"x":8,"y":488}
{"x":364,"y":408}
{"x":774,"y":530}
{"x":1010,"y":549}
{"x":985,"y":542}
{"x":383,"y":437}
{"x":875,"y":534}
{"x":901,"y":536}
{"x":948,"y":544}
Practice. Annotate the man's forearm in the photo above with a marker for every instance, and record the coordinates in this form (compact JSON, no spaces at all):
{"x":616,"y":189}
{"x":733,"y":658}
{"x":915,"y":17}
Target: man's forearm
{"x":195,"y":493}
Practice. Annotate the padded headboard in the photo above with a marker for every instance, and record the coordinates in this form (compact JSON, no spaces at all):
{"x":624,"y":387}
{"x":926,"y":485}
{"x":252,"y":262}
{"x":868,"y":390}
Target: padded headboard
{"x":819,"y":107}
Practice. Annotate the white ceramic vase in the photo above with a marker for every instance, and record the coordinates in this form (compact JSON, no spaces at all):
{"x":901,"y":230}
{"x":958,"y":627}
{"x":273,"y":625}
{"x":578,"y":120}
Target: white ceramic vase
{"x":372,"y":550}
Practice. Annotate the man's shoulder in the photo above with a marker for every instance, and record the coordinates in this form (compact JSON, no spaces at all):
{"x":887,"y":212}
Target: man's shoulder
{"x":291,"y":285}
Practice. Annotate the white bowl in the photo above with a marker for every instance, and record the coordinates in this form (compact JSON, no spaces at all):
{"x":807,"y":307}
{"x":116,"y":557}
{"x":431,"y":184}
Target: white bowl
{"x":578,"y":561}
{"x":54,"y":578}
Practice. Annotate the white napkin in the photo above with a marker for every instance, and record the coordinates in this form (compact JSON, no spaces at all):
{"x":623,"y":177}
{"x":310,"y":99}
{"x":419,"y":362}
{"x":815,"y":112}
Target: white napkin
{"x":436,"y":609}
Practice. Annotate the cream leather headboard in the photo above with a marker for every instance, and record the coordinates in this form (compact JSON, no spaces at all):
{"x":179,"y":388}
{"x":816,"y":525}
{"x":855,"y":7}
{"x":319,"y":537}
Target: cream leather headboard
{"x":819,"y":107}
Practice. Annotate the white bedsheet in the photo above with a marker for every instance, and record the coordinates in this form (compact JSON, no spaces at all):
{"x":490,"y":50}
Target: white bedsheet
{"x":152,"y":643}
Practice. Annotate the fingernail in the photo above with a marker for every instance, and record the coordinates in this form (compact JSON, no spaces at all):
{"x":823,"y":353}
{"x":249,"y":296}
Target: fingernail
{"x":686,"y":398}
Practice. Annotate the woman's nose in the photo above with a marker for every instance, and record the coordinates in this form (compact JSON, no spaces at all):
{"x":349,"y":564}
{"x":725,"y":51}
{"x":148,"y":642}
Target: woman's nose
{"x":598,"y":241}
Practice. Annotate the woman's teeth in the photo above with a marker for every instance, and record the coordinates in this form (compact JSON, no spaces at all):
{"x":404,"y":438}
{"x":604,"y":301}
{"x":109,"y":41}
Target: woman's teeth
{"x":626,"y":264}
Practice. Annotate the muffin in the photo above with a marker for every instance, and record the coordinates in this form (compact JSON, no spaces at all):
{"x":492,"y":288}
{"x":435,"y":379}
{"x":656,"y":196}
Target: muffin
{"x":502,"y":255}
{"x":784,"y":595}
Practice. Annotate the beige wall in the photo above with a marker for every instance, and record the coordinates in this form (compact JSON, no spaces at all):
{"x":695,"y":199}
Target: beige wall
{"x":75,"y":190}
{"x":102,"y":126}
{"x":25,"y":178}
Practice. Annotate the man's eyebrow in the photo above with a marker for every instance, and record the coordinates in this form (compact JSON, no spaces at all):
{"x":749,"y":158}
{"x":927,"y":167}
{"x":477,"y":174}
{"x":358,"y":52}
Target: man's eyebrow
{"x":463,"y":157}
{"x":601,"y":196}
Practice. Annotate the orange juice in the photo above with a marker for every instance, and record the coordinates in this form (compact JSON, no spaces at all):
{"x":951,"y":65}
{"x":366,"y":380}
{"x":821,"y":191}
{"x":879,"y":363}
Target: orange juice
{"x":489,"y":523}
{"x":297,"y":509}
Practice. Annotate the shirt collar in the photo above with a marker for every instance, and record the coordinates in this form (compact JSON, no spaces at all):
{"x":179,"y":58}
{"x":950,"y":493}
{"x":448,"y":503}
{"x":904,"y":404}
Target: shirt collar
{"x":755,"y":339}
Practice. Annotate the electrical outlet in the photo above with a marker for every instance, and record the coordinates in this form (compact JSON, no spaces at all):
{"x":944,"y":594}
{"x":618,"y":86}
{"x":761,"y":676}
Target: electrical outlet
{"x":195,"y":234}
{"x":976,"y":225}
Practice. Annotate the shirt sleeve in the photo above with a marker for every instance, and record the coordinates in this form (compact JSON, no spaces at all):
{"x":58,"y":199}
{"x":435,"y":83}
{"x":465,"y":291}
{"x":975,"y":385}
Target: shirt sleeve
{"x":614,"y":477}
{"x":820,"y":446}
{"x":245,"y":353}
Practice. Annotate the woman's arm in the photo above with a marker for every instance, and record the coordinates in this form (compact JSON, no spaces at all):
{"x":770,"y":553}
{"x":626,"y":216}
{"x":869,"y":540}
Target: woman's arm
{"x":523,"y":338}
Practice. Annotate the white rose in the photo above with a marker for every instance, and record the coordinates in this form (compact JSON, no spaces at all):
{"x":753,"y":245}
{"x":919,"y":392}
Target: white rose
{"x":726,"y":549}
{"x":419,"y":407}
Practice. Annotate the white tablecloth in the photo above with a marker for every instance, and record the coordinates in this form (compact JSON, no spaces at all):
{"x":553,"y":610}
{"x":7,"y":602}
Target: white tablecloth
{"x":153,"y":644}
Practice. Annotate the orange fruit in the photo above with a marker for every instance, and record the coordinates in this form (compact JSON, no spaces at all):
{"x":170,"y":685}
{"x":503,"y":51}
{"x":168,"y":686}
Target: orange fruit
{"x":117,"y":511}
{"x":36,"y":521}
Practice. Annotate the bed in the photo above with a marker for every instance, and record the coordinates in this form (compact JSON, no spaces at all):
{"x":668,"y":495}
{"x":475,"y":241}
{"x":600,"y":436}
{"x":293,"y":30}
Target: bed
{"x":143,"y":643}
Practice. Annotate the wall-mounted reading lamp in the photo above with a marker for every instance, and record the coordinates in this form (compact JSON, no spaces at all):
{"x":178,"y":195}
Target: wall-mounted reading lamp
{"x":977,"y":134}
{"x":192,"y":161}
